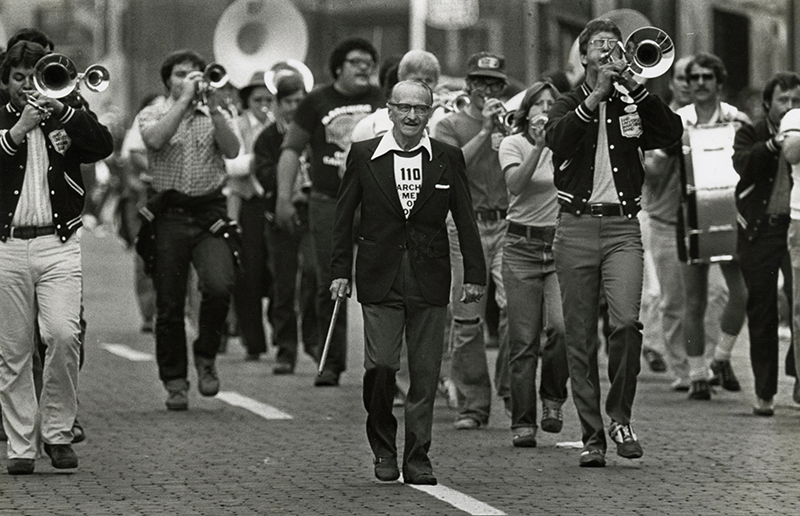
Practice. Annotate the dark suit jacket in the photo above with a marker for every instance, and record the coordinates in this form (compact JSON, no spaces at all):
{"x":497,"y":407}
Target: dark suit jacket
{"x":385,"y":233}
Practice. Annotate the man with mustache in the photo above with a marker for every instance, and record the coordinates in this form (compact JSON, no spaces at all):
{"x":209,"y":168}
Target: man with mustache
{"x":706,"y":74}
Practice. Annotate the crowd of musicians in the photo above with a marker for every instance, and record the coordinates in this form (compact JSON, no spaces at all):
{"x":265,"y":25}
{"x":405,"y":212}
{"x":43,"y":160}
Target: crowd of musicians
{"x":256,"y":211}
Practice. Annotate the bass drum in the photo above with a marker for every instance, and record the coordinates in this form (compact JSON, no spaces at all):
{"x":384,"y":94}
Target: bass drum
{"x":253,"y":35}
{"x":708,"y":208}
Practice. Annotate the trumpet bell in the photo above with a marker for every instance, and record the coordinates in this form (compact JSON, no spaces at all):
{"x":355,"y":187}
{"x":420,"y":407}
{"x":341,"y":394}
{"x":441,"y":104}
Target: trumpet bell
{"x":216,"y":75}
{"x":55,"y":76}
{"x":288,"y":67}
{"x":650,"y":52}
{"x":97,"y":78}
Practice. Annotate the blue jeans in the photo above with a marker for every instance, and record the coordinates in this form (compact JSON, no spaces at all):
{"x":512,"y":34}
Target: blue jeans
{"x":587,"y":249}
{"x":469,"y":368}
{"x":180,"y":243}
{"x":534,"y":303}
{"x":288,"y":254}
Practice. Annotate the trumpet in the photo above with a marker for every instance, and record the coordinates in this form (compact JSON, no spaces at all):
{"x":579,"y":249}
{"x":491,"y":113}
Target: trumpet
{"x":56,"y":76}
{"x":648,"y":53}
{"x":214,"y":76}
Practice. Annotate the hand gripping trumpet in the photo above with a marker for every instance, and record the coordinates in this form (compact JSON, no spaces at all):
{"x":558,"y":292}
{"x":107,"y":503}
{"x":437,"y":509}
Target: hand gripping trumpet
{"x":647,"y":53}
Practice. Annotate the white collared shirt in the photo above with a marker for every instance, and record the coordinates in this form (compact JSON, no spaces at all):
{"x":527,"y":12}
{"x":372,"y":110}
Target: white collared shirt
{"x":407,"y":167}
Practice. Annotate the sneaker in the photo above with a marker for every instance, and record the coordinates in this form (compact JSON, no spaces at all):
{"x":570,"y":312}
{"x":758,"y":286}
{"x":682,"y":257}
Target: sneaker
{"x":654,"y":360}
{"x":700,"y":390}
{"x":177,"y":397}
{"x":552,"y":419}
{"x":207,"y":380}
{"x":524,"y":437}
{"x":723,"y":370}
{"x":763,"y":408}
{"x":624,"y":437}
{"x":592,"y":458}
{"x":466,"y":423}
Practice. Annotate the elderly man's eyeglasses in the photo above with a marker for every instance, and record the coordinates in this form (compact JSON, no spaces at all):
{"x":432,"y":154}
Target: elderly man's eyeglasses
{"x":404,"y":109}
{"x":360,"y":63}
{"x":603,"y":43}
{"x":707,"y":77}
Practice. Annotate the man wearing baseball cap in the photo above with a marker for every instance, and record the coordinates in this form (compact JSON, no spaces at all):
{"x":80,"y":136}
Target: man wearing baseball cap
{"x":478,"y":130}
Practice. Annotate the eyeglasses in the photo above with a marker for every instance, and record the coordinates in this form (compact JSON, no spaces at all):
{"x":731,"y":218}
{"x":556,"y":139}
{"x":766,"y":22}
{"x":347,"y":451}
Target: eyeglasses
{"x":360,"y":62}
{"x":489,"y":86}
{"x":404,"y":109}
{"x":600,"y":43}
{"x":707,"y":77}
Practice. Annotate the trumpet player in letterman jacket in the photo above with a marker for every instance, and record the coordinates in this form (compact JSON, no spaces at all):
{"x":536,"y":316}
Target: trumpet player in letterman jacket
{"x":43,"y":142}
{"x":597,"y":136}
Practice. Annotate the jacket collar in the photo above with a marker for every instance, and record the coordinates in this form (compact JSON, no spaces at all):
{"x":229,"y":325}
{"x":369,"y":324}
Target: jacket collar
{"x":388,"y":144}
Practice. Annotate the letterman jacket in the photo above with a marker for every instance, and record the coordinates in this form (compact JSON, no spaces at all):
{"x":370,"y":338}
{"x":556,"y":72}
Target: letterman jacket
{"x":755,"y":158}
{"x":632,"y":127}
{"x":73,"y":138}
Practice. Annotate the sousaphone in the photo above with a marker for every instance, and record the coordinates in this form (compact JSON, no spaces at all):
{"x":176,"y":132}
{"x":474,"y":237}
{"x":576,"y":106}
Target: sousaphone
{"x":253,"y":35}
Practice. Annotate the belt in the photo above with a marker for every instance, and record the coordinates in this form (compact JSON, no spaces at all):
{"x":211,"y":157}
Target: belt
{"x":604,"y":210}
{"x":778,"y":220}
{"x":490,"y":215}
{"x":545,"y":233}
{"x":28,"y":232}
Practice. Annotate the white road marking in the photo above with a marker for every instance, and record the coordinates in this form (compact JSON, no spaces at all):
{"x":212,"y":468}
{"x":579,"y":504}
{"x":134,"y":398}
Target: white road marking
{"x":458,"y":500}
{"x":256,"y":407}
{"x":131,"y":354}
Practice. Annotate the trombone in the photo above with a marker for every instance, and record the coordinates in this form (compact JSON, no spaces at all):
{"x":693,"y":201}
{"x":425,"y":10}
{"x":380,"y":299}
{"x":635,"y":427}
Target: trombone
{"x":56,"y":76}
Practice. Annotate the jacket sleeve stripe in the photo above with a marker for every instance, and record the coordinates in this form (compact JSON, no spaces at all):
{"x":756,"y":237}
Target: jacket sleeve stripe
{"x":7,"y":144}
{"x":66,"y":116}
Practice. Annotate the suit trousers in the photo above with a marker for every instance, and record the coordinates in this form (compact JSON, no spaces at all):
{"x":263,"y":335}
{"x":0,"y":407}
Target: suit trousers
{"x":321,"y":212}
{"x":403,"y":312}
{"x":39,"y":278}
{"x":760,"y":260}
{"x":793,"y":240}
{"x":587,"y":249}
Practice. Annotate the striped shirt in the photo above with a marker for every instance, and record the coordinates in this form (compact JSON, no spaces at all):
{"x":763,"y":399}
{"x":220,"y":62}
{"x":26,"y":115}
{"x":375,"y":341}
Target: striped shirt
{"x":34,"y":207}
{"x":190,"y":162}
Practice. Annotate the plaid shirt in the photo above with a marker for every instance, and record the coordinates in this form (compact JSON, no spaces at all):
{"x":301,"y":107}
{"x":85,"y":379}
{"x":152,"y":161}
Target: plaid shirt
{"x":190,"y":162}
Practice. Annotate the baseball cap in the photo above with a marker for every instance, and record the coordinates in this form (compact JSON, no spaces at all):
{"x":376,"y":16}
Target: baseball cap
{"x":486,"y":64}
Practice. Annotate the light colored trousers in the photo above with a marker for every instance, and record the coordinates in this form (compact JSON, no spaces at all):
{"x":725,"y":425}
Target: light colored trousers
{"x":40,"y":277}
{"x":793,"y":240}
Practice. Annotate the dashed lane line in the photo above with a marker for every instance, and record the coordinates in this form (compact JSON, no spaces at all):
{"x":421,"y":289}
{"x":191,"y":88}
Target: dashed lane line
{"x":458,"y":500}
{"x":124,"y":351}
{"x":256,"y":407}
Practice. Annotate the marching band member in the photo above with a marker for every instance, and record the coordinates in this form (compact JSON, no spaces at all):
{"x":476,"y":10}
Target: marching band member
{"x":40,"y":259}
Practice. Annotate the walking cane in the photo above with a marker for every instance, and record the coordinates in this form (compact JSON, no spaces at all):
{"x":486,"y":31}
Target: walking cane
{"x":329,"y":336}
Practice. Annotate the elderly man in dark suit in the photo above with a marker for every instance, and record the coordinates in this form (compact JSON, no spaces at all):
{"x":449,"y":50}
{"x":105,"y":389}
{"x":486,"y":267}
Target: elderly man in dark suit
{"x":405,"y":184}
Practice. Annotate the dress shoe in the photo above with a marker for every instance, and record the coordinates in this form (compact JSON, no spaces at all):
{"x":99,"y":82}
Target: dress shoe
{"x":327,"y":379}
{"x":177,"y":395}
{"x":62,"y":456}
{"x":20,"y":466}
{"x":627,"y":443}
{"x":283,"y":368}
{"x":722,"y":369}
{"x":524,"y":437}
{"x":207,"y":380}
{"x":423,"y":479}
{"x":700,"y":390}
{"x":78,"y":434}
{"x":654,"y":360}
{"x":386,"y":469}
{"x":763,"y":408}
{"x":466,"y":423}
{"x":592,"y":458}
